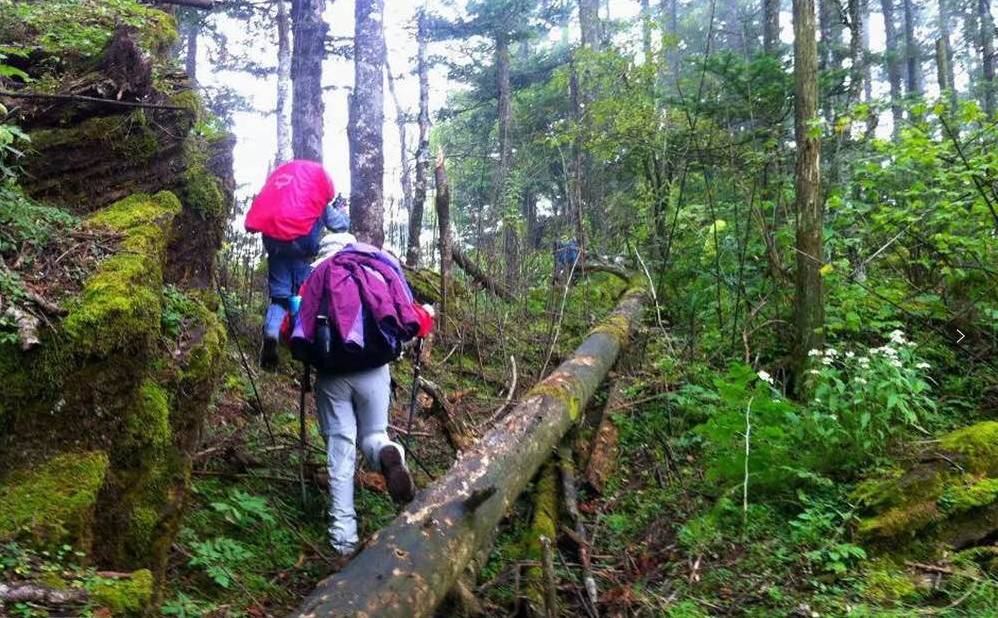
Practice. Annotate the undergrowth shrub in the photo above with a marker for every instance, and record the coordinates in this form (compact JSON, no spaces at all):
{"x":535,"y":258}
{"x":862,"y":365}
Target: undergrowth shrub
{"x":863,"y":402}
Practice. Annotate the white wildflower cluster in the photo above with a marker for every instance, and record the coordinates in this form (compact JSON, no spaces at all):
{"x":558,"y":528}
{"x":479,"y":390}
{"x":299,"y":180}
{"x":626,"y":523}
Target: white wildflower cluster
{"x":765,"y":377}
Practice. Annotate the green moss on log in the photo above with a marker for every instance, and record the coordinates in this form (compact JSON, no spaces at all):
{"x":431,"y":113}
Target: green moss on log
{"x":123,"y":596}
{"x":977,"y":445}
{"x":53,"y":503}
{"x":885,"y":583}
{"x":202,"y":192}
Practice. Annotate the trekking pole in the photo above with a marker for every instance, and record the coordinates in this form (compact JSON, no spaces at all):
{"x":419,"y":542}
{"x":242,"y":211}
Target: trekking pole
{"x":302,"y":443}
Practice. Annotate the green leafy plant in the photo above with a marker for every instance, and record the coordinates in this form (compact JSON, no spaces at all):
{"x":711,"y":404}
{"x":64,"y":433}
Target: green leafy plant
{"x":220,"y":558}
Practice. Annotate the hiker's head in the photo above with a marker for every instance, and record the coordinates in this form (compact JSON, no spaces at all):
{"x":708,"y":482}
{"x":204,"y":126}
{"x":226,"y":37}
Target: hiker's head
{"x":338,"y":218}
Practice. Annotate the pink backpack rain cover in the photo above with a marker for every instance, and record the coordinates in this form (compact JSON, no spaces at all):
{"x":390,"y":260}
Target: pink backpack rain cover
{"x":291,"y":200}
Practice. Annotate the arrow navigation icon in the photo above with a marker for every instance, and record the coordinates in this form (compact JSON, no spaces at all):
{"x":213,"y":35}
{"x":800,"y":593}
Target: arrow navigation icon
{"x":961,"y":335}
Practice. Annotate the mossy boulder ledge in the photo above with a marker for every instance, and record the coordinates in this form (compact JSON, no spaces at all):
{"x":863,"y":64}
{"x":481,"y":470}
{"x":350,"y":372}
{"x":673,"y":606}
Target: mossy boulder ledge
{"x":949,"y":497}
{"x":98,"y":422}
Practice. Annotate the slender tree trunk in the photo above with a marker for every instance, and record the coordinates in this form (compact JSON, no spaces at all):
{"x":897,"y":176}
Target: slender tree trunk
{"x":501,"y":199}
{"x":892,"y":65}
{"x":307,"y":107}
{"x":913,"y":59}
{"x":443,"y":221}
{"x":646,"y":29}
{"x":405,"y":174}
{"x":809,"y":304}
{"x":191,"y":59}
{"x":423,"y":148}
{"x":826,"y":14}
{"x":946,"y":75}
{"x":987,"y":44}
{"x":857,"y":51}
{"x":364,"y":129}
{"x":864,"y":35}
{"x":771,"y":26}
{"x":283,"y":110}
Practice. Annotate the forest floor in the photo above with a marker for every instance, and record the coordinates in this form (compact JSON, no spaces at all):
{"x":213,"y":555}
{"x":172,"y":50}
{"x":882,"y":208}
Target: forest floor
{"x":666,"y":537}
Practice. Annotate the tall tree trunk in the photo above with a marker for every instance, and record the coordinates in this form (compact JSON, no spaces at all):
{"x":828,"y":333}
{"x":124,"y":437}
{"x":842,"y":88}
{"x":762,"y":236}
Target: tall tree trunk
{"x":891,"y":61}
{"x":365,"y":125}
{"x":771,"y":26}
{"x":423,"y":148}
{"x":945,"y":73}
{"x":826,"y":15}
{"x":442,"y":204}
{"x":809,"y":304}
{"x":646,"y":29}
{"x":864,"y":36}
{"x":191,"y":59}
{"x":987,"y":45}
{"x":589,"y":24}
{"x":309,"y":51}
{"x":283,"y":110}
{"x":405,"y":168}
{"x":912,"y":54}
{"x":500,"y":190}
{"x":857,"y":50}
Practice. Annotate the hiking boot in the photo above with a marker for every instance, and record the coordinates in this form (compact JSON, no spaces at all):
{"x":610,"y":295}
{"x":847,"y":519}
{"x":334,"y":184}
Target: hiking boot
{"x":397,"y":477}
{"x":268,"y":354}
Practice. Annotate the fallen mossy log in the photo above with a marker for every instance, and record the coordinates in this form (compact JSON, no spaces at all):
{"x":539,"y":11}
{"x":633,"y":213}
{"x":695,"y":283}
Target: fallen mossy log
{"x":408,"y":567}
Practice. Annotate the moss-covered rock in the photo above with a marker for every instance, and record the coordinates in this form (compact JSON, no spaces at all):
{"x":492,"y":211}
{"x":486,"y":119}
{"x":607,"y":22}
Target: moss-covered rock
{"x":53,"y":503}
{"x":121,"y":304}
{"x":75,"y":31}
{"x":885,"y":583}
{"x":950,"y":496}
{"x":127,"y":596}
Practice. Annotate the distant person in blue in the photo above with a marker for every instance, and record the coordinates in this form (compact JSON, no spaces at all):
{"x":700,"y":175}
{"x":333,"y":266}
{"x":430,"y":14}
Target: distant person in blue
{"x":565,"y":255}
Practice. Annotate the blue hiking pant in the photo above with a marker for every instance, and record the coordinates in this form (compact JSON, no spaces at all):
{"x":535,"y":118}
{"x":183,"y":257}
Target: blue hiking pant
{"x":284,"y":277}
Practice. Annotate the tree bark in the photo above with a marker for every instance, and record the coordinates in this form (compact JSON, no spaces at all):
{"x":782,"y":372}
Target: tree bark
{"x":423,"y":149}
{"x":191,"y":59}
{"x":284,"y":152}
{"x":947,"y":78}
{"x":646,"y":30}
{"x":443,"y":220}
{"x":771,"y":26}
{"x":405,"y":174}
{"x":500,"y":190}
{"x":864,"y":33}
{"x":408,"y":566}
{"x":892,"y":66}
{"x":364,"y":129}
{"x":309,"y":51}
{"x":857,"y":50}
{"x":589,"y":24}
{"x":987,"y":45}
{"x":809,"y":304}
{"x":913,"y":57}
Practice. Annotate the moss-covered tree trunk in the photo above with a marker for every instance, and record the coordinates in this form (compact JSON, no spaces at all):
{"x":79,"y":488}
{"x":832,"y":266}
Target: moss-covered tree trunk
{"x":408,"y":567}
{"x":307,"y":108}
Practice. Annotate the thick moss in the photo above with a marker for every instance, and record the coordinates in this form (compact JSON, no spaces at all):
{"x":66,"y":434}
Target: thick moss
{"x":129,"y":596}
{"x":128,"y":136}
{"x":202,"y":192}
{"x":950,"y":496}
{"x":121,"y":304}
{"x":53,"y":503}
{"x":884,"y":583}
{"x":73,"y":30}
{"x":147,"y":422}
{"x":978,"y":446}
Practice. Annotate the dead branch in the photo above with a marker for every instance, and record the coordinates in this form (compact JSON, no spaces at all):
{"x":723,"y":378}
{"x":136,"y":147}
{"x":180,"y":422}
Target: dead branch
{"x":79,"y":98}
{"x":34,"y":593}
{"x":457,"y":434}
{"x":570,"y":494}
{"x":478,"y":275}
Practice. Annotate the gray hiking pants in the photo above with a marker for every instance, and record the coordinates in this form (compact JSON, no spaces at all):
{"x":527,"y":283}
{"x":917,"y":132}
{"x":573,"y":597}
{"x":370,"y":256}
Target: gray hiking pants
{"x":351,"y":406}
